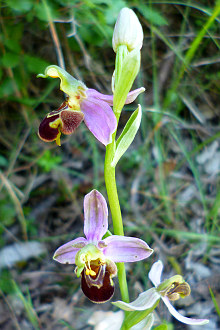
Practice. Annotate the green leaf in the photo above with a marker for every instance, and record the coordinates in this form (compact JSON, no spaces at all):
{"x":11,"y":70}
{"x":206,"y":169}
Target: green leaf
{"x":152,"y":15}
{"x":10,"y":60}
{"x":7,"y":213}
{"x":7,"y":88}
{"x":112,"y":11}
{"x":161,"y":327}
{"x":133,"y":318}
{"x":13,"y":44}
{"x":128,"y":134}
{"x":46,"y":11}
{"x":3,"y":161}
{"x":215,"y":302}
{"x":28,"y":305}
{"x":35,"y":64}
{"x":146,"y":323}
{"x":6,"y":284}
{"x":20,"y":6}
{"x":214,"y":212}
{"x":49,"y":162}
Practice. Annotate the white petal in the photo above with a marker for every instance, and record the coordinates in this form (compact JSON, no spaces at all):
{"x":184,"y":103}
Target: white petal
{"x":182,"y":318}
{"x":155,"y":273}
{"x":145,"y":300}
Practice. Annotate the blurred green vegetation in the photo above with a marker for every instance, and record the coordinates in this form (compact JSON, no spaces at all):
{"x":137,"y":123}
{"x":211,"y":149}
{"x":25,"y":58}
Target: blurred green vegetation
{"x":42,"y":186}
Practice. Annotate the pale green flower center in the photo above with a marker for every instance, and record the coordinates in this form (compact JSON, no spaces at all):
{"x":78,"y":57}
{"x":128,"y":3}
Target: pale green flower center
{"x":87,"y":255}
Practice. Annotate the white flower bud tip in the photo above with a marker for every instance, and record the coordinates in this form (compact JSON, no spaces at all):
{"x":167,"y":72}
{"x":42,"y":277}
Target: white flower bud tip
{"x":128,"y":31}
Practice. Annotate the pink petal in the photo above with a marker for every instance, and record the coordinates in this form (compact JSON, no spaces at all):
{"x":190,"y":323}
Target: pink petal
{"x":180,"y":317}
{"x":126,"y":249}
{"x":96,"y":216}
{"x":92,"y":93}
{"x":155,"y":273}
{"x":66,"y":253}
{"x":99,"y":118}
{"x":109,"y":98}
{"x":134,"y":94}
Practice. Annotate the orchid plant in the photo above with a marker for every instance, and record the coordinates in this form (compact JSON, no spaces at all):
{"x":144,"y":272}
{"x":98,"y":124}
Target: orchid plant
{"x":100,"y":256}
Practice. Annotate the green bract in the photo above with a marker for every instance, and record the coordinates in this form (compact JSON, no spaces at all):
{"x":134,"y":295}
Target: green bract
{"x":130,"y":69}
{"x":128,"y":134}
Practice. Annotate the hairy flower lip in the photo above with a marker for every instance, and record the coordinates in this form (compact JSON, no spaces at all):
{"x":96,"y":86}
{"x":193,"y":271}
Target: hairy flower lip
{"x":98,"y":293}
{"x":57,"y":122}
{"x":178,"y":290}
{"x":87,"y":252}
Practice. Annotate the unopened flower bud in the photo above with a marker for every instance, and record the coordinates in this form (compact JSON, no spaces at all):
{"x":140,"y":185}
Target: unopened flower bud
{"x":128,"y":31}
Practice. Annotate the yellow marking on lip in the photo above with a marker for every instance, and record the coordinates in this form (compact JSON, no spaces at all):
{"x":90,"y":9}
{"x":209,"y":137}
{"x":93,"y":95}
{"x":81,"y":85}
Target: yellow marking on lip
{"x":58,"y":139}
{"x":89,"y":271}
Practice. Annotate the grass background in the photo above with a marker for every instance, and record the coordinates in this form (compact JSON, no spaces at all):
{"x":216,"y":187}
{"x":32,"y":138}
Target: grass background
{"x":168,"y":180}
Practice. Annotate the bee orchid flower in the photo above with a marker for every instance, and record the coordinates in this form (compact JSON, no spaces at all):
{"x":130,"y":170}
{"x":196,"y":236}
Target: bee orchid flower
{"x":82,"y":103}
{"x":95,"y":257}
{"x":168,"y":290}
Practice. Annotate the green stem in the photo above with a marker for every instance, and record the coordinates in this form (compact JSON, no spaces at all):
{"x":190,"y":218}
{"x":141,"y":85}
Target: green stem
{"x":110,"y":182}
{"x":112,"y":192}
{"x":126,"y":70}
{"x":116,"y":212}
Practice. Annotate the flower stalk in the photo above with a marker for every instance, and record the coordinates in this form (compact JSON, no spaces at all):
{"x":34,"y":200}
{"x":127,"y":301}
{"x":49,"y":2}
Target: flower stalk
{"x":111,"y":187}
{"x":127,"y":65}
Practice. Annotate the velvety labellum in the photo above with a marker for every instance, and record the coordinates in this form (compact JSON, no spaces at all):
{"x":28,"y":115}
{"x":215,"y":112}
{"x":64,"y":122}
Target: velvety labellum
{"x":46,"y":132}
{"x":99,"y":288}
{"x":63,"y":120}
{"x":178,"y":290}
{"x":70,"y":120}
